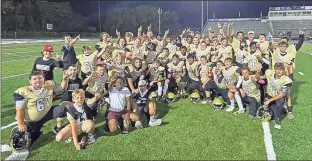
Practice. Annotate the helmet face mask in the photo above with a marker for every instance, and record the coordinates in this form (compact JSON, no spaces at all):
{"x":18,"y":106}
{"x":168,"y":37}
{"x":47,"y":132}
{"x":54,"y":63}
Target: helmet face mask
{"x":195,"y":97}
{"x":264,"y":113}
{"x":20,"y":140}
{"x":170,"y":98}
{"x":217,"y":104}
{"x":153,"y":95}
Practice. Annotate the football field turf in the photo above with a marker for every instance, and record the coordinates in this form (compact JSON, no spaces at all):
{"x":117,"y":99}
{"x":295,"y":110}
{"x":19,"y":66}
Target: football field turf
{"x":189,"y":131}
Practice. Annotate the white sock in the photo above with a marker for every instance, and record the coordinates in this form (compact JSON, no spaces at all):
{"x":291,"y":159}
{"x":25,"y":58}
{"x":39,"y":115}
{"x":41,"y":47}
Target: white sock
{"x":165,"y":89}
{"x":239,"y":101}
{"x":159,"y":91}
{"x":232,"y":102}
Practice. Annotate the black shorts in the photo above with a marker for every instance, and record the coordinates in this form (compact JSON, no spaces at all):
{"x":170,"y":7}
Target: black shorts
{"x":54,"y":112}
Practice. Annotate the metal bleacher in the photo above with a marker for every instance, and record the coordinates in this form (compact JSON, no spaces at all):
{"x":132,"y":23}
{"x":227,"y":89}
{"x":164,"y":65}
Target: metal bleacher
{"x":292,"y":25}
{"x":258,"y":27}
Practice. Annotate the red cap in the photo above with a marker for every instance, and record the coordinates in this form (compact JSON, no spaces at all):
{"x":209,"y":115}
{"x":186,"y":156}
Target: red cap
{"x":210,"y":74}
{"x":48,"y":48}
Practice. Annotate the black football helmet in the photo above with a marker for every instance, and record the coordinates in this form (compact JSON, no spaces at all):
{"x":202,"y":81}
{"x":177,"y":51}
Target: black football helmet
{"x":20,"y":140}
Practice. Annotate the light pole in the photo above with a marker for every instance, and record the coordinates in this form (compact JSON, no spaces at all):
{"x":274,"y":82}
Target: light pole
{"x":159,"y":13}
{"x":202,"y":15}
{"x":99,"y":8}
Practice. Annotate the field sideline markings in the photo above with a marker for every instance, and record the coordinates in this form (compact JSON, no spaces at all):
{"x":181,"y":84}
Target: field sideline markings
{"x":9,"y":125}
{"x":271,"y":155}
{"x":12,"y":76}
{"x":17,"y":60}
{"x":11,"y":54}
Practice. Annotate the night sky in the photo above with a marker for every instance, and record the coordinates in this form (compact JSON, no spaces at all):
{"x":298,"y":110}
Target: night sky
{"x":189,"y":9}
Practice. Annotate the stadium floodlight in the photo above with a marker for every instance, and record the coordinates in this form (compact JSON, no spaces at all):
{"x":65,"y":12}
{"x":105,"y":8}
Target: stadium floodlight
{"x":159,"y":13}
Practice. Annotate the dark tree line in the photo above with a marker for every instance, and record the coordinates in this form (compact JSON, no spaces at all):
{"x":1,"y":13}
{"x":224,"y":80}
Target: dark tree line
{"x":33,"y":15}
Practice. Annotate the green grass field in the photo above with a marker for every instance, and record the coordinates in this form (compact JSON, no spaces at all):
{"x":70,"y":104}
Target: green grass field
{"x":189,"y":131}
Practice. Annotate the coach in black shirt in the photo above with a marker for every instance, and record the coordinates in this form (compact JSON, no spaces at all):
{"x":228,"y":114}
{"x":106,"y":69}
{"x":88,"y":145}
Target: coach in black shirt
{"x":46,"y":64}
{"x":68,"y":51}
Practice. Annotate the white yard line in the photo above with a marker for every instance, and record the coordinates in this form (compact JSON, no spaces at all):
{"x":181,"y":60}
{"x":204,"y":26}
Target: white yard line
{"x":12,"y":76}
{"x":11,"y":54}
{"x":7,"y":126}
{"x":310,"y":53}
{"x":271,"y":155}
{"x":17,"y":60}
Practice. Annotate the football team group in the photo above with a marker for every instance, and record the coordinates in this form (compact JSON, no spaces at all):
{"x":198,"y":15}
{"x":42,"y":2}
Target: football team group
{"x":123,"y":81}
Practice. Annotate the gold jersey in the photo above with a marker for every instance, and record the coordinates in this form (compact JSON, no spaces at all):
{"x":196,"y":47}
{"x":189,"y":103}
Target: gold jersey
{"x":191,"y":69}
{"x":172,"y":48}
{"x":253,"y":60}
{"x":87,"y":62}
{"x":251,"y":88}
{"x":176,"y":70}
{"x":291,"y":50}
{"x":226,"y":52}
{"x":229,"y":74}
{"x":286,"y":59}
{"x":235,"y":44}
{"x":265,"y":46}
{"x":39,"y":102}
{"x":275,"y":85}
{"x":220,"y":82}
{"x":200,"y":52}
{"x":240,"y":56}
{"x":97,"y":84}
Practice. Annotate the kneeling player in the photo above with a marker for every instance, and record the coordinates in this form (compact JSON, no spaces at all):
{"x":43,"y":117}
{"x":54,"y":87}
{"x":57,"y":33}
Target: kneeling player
{"x":277,"y":90}
{"x":250,"y":91}
{"x":34,"y":107}
{"x":142,"y":99}
{"x":80,"y":117}
{"x":119,"y":98}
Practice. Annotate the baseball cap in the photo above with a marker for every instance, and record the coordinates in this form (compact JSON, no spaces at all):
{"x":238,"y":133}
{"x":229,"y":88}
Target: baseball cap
{"x":48,"y":48}
{"x":142,"y":83}
{"x":251,"y":32}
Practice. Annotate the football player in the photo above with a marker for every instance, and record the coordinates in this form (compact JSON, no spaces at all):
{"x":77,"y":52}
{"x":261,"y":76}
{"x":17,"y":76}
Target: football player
{"x":250,"y":90}
{"x":277,"y":90}
{"x":203,"y":73}
{"x":142,"y":100}
{"x":232,"y":80}
{"x":80,"y":120}
{"x":88,"y":60}
{"x":156,"y":74}
{"x":240,"y":55}
{"x":134,"y":73}
{"x":70,"y":82}
{"x":68,"y":51}
{"x":119,"y":111}
{"x":203,"y":50}
{"x":253,"y":57}
{"x":190,"y":78}
{"x":225,"y":50}
{"x":288,"y":59}
{"x":175,"y":70}
{"x":34,"y":107}
{"x":214,"y":53}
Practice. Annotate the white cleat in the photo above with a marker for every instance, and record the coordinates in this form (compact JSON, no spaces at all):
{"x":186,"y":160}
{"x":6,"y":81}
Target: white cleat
{"x":230,"y":109}
{"x":155,"y":122}
{"x":239,"y":112}
{"x":138,"y":125}
{"x":277,"y":126}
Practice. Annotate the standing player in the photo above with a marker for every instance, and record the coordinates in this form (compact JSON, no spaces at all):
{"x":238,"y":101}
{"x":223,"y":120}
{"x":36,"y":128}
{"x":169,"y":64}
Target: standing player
{"x":68,"y":51}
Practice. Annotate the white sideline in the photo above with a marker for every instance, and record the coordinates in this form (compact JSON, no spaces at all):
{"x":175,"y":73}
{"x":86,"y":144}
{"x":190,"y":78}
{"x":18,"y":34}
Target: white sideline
{"x":271,"y":155}
{"x":17,"y":60}
{"x":7,"y":126}
{"x":12,"y":76}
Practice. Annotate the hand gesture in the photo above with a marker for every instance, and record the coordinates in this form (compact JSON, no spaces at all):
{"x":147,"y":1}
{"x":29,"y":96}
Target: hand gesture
{"x":301,"y":32}
{"x":58,"y":57}
{"x":167,"y":32}
{"x":66,"y":75}
{"x":117,"y":33}
{"x":78,"y":37}
{"x":224,"y":24}
{"x":149,"y":28}
{"x":230,"y":24}
{"x":140,"y":28}
{"x":219,"y":25}
{"x":209,"y":29}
